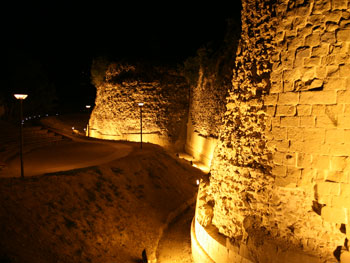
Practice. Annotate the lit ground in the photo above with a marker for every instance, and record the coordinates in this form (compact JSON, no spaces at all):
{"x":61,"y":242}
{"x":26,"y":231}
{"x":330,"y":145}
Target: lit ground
{"x":106,"y":212}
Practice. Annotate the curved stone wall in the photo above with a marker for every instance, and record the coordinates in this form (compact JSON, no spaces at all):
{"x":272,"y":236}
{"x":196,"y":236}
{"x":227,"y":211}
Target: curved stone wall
{"x":280,"y":173}
{"x":164,"y":93}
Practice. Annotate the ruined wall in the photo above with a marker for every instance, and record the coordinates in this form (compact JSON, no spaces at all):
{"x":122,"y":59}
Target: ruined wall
{"x":164,"y":93}
{"x":280,"y":174}
{"x":209,"y":87}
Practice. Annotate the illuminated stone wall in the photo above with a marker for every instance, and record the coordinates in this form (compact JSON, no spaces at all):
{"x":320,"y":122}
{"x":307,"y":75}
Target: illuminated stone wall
{"x":205,"y":117}
{"x":280,"y":174}
{"x":209,"y":89}
{"x":116,"y":114}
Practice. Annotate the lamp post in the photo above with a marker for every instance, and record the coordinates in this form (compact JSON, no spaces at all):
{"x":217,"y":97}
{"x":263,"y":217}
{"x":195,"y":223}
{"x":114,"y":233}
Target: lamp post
{"x":141,"y":105}
{"x":21,"y":97}
{"x":88,"y":126}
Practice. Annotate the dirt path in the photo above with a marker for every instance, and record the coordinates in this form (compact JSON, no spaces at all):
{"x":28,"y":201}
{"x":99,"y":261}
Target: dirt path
{"x":175,"y":244}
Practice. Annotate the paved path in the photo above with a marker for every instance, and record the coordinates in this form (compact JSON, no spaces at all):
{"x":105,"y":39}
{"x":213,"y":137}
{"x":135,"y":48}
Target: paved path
{"x":175,"y":244}
{"x":66,"y":156}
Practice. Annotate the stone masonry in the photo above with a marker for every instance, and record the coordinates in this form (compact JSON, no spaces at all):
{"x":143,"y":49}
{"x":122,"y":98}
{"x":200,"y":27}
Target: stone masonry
{"x":164,"y":93}
{"x":280,"y":173}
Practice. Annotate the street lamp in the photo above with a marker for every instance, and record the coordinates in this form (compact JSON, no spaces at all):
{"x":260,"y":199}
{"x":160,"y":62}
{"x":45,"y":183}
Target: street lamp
{"x":21,"y":97}
{"x":141,"y":105}
{"x":88,"y":126}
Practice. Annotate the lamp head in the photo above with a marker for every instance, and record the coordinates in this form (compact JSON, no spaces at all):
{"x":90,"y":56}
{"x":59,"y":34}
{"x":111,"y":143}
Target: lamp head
{"x":140,"y":104}
{"x":88,"y":106}
{"x":20,"y":96}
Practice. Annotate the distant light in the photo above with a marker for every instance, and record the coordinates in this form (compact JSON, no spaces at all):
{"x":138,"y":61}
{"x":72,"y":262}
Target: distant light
{"x":56,"y":114}
{"x":47,"y":114}
{"x":197,"y":182}
{"x":72,"y":128}
{"x":20,"y":96}
{"x":30,"y":118}
{"x":140,"y":104}
{"x":39,"y":116}
{"x":84,"y":129}
{"x":88,"y":106}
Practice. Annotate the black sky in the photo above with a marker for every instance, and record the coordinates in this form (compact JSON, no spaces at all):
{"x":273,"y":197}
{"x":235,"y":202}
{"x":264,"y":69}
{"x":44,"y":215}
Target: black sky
{"x":65,"y":37}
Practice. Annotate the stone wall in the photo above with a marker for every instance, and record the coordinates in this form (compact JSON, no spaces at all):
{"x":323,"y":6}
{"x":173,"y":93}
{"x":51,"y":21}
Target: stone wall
{"x":280,"y":173}
{"x":116,"y":114}
{"x":209,"y":89}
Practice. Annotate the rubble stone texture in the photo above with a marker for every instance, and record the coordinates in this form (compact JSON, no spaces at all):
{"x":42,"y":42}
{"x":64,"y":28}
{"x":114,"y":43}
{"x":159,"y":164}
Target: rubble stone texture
{"x":164,"y":93}
{"x":280,"y":172}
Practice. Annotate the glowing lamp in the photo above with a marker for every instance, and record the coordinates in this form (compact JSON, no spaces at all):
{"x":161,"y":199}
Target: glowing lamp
{"x":20,"y":96}
{"x":88,"y":106}
{"x":197,"y":182}
{"x":140,"y":104}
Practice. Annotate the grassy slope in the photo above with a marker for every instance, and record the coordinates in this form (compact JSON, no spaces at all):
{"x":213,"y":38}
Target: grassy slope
{"x":108,"y":213}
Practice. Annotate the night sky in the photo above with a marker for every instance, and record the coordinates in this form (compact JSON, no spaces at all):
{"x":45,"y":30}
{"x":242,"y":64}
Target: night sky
{"x":63,"y":38}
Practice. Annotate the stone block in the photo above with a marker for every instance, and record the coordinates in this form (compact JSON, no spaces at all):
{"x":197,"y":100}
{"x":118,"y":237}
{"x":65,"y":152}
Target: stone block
{"x":335,"y":136}
{"x":279,"y":171}
{"x":343,"y":122}
{"x":328,"y":188}
{"x":318,"y":110}
{"x":312,"y":61}
{"x":320,"y":50}
{"x":289,"y":122}
{"x":328,"y":37}
{"x":334,"y":84}
{"x":271,"y":111}
{"x":314,"y":136}
{"x":316,"y":19}
{"x":335,"y":176}
{"x":345,"y":189}
{"x":338,"y":163}
{"x":286,"y":110}
{"x":341,"y":201}
{"x":288,"y":86}
{"x":332,"y":70}
{"x":325,"y":122}
{"x":339,"y":4}
{"x":321,"y":6}
{"x":276,"y":87}
{"x":333,"y":16}
{"x":320,"y":162}
{"x":343,"y":35}
{"x":334,"y":215}
{"x":313,"y":40}
{"x":347,"y":135}
{"x":321,"y":72}
{"x":296,"y":145}
{"x":303,"y":160}
{"x":339,"y":149}
{"x":345,"y":256}
{"x":304,"y":110}
{"x":271,"y":99}
{"x":291,"y":74}
{"x":307,"y":121}
{"x":288,"y":181}
{"x":318,"y":97}
{"x":343,"y":96}
{"x":279,"y":133}
{"x":331,"y":26}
